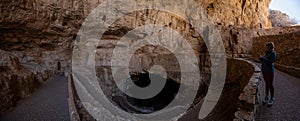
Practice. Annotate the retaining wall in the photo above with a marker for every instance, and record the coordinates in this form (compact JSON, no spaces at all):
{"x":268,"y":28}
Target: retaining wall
{"x":238,"y":101}
{"x":250,"y":96}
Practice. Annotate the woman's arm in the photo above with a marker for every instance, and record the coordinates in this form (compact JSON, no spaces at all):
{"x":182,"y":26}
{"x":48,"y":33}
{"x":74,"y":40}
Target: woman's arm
{"x":271,"y":59}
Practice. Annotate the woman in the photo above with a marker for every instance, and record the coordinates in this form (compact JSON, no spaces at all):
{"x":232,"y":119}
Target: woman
{"x":268,"y":72}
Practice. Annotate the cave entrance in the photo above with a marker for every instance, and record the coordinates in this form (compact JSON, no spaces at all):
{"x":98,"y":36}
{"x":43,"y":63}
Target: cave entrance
{"x":146,"y":106}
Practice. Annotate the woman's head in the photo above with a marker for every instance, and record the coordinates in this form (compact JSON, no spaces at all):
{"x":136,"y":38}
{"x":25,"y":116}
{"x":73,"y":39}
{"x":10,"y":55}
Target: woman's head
{"x":270,"y":46}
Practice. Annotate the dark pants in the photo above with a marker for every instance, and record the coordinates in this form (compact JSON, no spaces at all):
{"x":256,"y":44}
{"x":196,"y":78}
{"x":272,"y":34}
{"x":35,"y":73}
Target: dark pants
{"x":269,"y":77}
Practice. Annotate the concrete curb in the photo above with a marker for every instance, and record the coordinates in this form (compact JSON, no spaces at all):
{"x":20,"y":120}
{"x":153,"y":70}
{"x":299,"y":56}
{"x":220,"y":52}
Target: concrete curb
{"x":250,"y":96}
{"x":74,"y":116}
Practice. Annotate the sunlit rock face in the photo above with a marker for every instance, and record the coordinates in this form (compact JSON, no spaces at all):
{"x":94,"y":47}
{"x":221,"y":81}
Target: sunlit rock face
{"x":58,"y":21}
{"x":33,"y":26}
{"x":39,"y":34}
{"x":244,"y":13}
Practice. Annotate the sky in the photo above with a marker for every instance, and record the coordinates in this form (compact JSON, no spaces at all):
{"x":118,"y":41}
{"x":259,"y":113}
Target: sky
{"x":290,"y":7}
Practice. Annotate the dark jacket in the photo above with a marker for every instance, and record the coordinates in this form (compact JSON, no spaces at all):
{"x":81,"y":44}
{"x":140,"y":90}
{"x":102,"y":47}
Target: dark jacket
{"x":268,"y":61}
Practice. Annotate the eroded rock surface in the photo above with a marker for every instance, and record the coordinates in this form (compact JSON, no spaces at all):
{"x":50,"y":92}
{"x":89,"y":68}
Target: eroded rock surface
{"x":18,"y":80}
{"x":36,"y":35}
{"x":51,"y":24}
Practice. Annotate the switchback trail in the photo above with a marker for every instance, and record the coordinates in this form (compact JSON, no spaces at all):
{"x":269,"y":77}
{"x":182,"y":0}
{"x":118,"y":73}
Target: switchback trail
{"x":287,"y":100}
{"x":48,"y":103}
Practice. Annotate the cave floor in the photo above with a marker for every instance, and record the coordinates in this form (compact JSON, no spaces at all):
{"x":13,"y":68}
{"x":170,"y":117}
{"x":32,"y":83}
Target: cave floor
{"x":49,"y":103}
{"x":287,"y":100}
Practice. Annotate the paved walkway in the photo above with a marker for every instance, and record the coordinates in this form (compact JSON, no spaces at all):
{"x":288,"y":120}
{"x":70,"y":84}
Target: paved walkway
{"x":287,"y":100}
{"x":49,"y":103}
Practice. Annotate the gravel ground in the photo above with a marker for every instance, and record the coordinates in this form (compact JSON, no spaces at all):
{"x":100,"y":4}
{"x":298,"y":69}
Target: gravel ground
{"x":49,"y":103}
{"x":287,"y":100}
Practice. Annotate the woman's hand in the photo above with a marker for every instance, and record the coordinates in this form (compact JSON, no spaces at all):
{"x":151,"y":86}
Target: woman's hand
{"x":261,"y":58}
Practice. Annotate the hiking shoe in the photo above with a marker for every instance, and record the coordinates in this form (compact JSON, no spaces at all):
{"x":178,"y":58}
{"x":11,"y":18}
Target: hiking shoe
{"x":271,"y":102}
{"x":266,"y":100}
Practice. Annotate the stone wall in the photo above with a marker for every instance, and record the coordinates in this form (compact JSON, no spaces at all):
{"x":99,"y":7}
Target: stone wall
{"x":250,"y":96}
{"x":240,"y":95}
{"x":277,"y":31}
{"x":243,"y":44}
{"x":76,"y":109}
{"x":74,"y":115}
{"x":238,"y":101}
{"x":287,"y":47}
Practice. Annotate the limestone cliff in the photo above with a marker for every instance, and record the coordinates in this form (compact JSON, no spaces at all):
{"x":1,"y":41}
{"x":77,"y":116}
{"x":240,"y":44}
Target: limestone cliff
{"x":53,"y":24}
{"x":42,"y":32}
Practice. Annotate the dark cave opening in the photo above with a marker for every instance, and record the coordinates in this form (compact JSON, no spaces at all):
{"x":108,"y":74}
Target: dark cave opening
{"x":146,"y":106}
